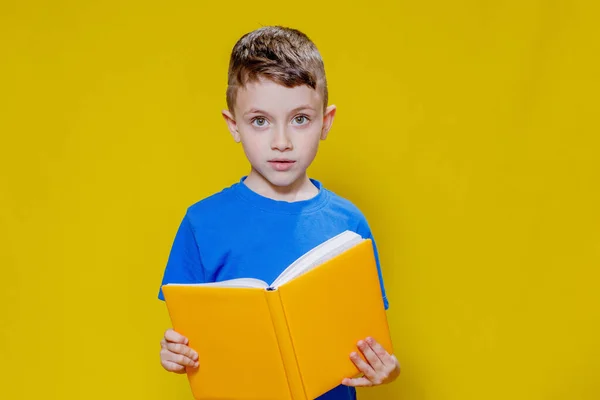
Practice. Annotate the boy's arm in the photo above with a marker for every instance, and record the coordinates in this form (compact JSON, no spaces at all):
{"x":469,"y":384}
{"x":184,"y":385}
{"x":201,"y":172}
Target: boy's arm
{"x":184,"y":266}
{"x":380,"y":367}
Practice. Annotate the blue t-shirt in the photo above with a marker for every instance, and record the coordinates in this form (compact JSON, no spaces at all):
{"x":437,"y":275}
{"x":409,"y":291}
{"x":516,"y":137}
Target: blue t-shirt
{"x":223,"y":235}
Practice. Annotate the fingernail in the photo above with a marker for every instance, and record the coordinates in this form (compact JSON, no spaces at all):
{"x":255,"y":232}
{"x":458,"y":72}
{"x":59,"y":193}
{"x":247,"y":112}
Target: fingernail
{"x":196,"y":364}
{"x":195,"y":357}
{"x":370,"y":340}
{"x":353,"y":354}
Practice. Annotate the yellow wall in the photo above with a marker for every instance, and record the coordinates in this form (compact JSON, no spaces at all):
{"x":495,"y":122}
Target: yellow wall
{"x":467,"y":132}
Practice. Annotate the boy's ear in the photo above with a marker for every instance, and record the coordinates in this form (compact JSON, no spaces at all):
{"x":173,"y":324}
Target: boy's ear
{"x":327,"y":121}
{"x":231,"y":125}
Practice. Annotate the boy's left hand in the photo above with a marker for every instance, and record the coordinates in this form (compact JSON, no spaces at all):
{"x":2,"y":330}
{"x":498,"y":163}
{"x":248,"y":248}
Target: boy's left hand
{"x":381,"y":368}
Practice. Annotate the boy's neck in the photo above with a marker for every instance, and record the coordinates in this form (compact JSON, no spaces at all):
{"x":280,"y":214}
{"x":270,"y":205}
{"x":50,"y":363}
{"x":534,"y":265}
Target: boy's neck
{"x":301,"y":189}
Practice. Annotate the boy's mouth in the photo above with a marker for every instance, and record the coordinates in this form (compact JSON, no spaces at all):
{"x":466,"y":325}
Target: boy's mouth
{"x":280,"y":164}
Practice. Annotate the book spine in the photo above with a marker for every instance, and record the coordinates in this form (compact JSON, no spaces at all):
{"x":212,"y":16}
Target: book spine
{"x":286,"y":347}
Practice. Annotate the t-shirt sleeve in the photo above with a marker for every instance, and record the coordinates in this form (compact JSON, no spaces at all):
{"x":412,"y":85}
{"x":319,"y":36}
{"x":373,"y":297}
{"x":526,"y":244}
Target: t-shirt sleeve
{"x":365,"y":231}
{"x":184,"y":264}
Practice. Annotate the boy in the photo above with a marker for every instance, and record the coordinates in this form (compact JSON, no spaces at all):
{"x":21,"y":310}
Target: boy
{"x":277,"y":108}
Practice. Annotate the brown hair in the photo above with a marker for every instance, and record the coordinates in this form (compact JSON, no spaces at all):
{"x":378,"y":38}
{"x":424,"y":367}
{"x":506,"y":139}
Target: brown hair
{"x":283,"y":55}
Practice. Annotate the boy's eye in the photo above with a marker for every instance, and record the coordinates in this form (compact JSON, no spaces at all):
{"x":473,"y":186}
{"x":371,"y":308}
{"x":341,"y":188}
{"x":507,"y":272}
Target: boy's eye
{"x":259,"y":121}
{"x":301,"y":119}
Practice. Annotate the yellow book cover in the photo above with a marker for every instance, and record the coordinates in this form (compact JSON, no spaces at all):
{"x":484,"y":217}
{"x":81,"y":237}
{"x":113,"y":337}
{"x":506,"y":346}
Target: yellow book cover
{"x":287,"y":340}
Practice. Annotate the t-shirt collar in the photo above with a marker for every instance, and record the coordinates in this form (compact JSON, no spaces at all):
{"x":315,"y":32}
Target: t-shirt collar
{"x":282,"y":206}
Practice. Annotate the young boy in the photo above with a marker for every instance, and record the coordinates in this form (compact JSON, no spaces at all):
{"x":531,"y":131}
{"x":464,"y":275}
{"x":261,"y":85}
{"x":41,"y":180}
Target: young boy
{"x":277,"y":108}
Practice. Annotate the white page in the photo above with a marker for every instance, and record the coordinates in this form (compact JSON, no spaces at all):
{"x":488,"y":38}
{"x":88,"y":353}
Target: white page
{"x":318,"y":255}
{"x":239,"y":282}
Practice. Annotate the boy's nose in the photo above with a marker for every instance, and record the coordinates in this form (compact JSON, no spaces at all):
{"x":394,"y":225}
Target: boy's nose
{"x":281,"y":141}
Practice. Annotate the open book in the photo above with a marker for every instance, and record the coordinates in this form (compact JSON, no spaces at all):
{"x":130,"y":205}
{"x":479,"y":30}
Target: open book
{"x":290,"y":339}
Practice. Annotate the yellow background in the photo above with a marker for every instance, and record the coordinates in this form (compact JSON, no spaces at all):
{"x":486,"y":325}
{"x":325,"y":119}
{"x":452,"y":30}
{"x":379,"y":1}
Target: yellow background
{"x":467,"y":132}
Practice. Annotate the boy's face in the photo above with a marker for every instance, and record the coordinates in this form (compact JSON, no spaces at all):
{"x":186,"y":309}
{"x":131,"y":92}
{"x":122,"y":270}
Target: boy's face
{"x":279,"y":128}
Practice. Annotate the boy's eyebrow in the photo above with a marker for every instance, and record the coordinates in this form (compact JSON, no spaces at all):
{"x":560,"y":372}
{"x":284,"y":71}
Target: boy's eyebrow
{"x":257,"y":111}
{"x":295,"y":110}
{"x":302,"y":107}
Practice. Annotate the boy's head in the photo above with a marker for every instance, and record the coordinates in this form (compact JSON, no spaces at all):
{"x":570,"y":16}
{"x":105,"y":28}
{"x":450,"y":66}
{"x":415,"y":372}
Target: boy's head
{"x":277,"y":105}
{"x":282,"y":55}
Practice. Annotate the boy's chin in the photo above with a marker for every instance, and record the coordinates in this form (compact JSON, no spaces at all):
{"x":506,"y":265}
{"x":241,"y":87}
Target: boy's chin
{"x":283,"y":180}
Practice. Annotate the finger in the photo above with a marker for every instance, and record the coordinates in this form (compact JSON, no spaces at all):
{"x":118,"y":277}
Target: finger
{"x":357,"y":382}
{"x":396,"y":363}
{"x":172,"y":367}
{"x":363,"y":366}
{"x":381,"y":353}
{"x":180,"y":359}
{"x":370,"y":355}
{"x":182,"y":349}
{"x":175,"y":337}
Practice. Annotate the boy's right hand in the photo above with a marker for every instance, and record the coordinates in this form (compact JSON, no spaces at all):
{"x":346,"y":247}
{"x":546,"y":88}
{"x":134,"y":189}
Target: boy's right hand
{"x":175,"y":355}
